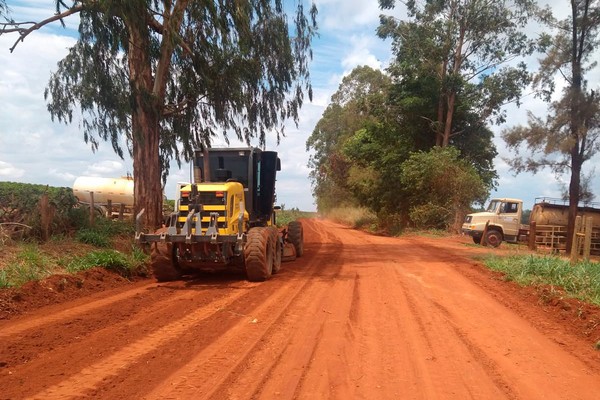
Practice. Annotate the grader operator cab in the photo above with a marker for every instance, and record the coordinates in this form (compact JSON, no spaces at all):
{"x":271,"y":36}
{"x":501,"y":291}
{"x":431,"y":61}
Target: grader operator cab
{"x":225,"y":219}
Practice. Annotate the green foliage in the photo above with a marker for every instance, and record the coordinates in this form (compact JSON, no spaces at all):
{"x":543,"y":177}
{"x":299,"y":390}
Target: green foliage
{"x":458,"y":53}
{"x":440,"y":187}
{"x":21,"y":203}
{"x":93,"y":237}
{"x":110,"y":259}
{"x":28,"y":265}
{"x":360,"y":99}
{"x":430,"y":216}
{"x":103,"y":231}
{"x":581,"y":281}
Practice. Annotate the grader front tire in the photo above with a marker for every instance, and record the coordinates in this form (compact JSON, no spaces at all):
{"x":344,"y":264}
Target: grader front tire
{"x":258,"y":254}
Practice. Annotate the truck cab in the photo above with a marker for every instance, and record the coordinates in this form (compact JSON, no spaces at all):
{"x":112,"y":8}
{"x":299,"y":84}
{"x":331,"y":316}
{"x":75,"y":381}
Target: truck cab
{"x":500,"y":221}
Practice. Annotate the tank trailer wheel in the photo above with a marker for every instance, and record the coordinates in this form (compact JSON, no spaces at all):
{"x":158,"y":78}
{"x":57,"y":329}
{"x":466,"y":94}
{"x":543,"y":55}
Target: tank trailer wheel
{"x":258,"y":254}
{"x":296,"y":237}
{"x":493,"y":238}
{"x":161,"y":261}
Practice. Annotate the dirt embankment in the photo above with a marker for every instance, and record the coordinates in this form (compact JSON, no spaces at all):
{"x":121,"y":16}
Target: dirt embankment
{"x":358,"y":316}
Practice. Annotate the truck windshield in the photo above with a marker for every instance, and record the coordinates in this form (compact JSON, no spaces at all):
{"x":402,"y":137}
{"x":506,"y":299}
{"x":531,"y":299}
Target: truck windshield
{"x":493,"y":207}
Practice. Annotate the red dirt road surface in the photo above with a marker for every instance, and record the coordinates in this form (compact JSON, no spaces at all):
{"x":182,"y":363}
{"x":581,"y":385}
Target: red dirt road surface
{"x":357,"y":317}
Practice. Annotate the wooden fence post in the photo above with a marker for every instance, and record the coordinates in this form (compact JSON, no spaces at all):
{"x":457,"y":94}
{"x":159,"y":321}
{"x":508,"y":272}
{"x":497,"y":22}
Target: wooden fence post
{"x":531,"y":238}
{"x":109,"y":206}
{"x":575,"y":245}
{"x":483,"y":235}
{"x":587,"y":241}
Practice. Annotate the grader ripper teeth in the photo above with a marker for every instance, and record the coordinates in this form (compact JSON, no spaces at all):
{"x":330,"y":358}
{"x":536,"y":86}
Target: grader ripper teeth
{"x":225,"y":219}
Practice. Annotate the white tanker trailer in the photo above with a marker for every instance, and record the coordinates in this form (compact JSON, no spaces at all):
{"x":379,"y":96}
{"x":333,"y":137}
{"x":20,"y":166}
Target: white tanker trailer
{"x":117,"y":191}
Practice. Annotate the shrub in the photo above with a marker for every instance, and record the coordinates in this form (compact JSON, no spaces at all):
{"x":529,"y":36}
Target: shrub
{"x":47,"y":210}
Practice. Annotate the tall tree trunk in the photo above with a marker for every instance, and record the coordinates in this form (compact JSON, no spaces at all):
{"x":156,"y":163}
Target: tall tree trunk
{"x":458,"y":59}
{"x":449,"y":116}
{"x":575,"y":125}
{"x":439,"y":133}
{"x":574,"y":189}
{"x":147,"y":191}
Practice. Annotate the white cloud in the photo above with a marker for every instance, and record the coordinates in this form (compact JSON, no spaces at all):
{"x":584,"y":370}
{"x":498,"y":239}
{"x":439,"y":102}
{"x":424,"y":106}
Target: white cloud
{"x":104,"y":168}
{"x":9,"y":172}
{"x":347,"y":15}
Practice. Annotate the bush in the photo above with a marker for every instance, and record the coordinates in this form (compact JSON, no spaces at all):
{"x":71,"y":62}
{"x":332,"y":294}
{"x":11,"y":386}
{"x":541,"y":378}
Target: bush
{"x":431,"y":216}
{"x":47,"y":210}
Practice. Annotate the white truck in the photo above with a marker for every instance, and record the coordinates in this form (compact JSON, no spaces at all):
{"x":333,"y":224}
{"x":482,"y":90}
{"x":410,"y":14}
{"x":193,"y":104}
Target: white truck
{"x":503,"y":220}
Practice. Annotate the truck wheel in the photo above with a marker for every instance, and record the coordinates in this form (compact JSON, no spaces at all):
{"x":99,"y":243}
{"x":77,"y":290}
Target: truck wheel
{"x":161,"y":261}
{"x":296,"y":237}
{"x":278,"y":247}
{"x":258,"y":254}
{"x":477,"y":239}
{"x":493,"y":238}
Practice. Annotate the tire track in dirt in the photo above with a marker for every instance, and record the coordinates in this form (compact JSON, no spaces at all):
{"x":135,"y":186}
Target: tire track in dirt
{"x":212,"y":381}
{"x":495,"y":343}
{"x":17,"y":327}
{"x":89,"y":377}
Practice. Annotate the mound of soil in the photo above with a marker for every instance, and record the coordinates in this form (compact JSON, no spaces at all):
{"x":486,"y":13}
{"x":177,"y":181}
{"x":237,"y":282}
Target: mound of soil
{"x":56,"y":289}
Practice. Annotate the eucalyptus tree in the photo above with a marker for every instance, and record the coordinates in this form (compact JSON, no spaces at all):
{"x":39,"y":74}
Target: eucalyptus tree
{"x":468,"y":48}
{"x":359,"y":99}
{"x":166,"y":76}
{"x":569,"y":135}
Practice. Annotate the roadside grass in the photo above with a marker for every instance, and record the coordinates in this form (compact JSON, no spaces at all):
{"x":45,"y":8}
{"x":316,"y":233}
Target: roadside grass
{"x":355,"y":217}
{"x":126,"y":265}
{"x":61,"y":254}
{"x":103,"y":231}
{"x":28,"y":264}
{"x":581,"y":281}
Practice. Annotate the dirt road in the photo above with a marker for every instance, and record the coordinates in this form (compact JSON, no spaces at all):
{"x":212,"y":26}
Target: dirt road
{"x":358,"y":317}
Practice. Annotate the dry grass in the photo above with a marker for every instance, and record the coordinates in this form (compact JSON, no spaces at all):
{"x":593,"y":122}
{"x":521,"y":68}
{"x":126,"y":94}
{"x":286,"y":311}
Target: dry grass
{"x":355,"y":217}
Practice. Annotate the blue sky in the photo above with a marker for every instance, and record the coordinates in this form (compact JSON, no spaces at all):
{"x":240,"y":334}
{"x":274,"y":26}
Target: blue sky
{"x":33,"y":149}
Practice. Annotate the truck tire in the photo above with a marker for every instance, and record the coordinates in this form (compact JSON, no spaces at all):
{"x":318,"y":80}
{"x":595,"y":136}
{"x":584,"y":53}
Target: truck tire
{"x":493,"y":238}
{"x":477,"y":239}
{"x":161,"y":261}
{"x":278,"y":247}
{"x":296,"y":237}
{"x":258,"y":254}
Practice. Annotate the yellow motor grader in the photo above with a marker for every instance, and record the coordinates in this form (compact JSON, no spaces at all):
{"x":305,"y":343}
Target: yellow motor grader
{"x":225,"y":219}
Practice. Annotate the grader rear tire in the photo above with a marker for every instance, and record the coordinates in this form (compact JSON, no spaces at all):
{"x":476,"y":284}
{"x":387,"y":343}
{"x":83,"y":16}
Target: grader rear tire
{"x":278,"y":247}
{"x":161,"y":261}
{"x":258,"y":254}
{"x":296,"y":237}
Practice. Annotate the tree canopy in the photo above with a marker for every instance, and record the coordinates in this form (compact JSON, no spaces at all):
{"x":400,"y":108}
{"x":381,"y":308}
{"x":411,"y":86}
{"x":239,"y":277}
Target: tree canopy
{"x":165,"y":77}
{"x":463,"y":50}
{"x":367,"y":134}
